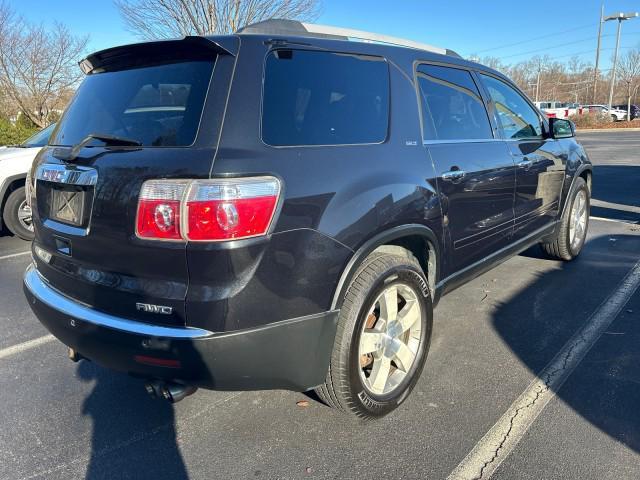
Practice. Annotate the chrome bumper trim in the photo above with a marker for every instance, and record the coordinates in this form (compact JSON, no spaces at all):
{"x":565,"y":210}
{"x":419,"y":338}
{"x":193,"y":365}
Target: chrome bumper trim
{"x":43,"y":292}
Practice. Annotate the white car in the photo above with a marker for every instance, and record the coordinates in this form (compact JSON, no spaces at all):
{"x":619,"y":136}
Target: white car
{"x":558,"y":109}
{"x":616,"y":114}
{"x":15,"y":162}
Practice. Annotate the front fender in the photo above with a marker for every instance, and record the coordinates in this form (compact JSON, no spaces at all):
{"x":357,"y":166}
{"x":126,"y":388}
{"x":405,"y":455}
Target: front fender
{"x":577,"y":163}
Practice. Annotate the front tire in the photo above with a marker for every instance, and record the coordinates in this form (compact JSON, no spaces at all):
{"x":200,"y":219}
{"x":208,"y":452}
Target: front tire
{"x":572,"y":231}
{"x":383,"y":336}
{"x":17,"y":215}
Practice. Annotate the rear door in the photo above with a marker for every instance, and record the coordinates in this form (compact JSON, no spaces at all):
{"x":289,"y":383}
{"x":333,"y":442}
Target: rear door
{"x":163,"y":97}
{"x":476,"y":172}
{"x":540,"y":161}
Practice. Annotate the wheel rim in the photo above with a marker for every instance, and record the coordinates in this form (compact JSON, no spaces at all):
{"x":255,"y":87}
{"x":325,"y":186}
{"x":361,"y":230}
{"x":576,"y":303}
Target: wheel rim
{"x":390,"y":339}
{"x":25,"y":216}
{"x":578,"y":220}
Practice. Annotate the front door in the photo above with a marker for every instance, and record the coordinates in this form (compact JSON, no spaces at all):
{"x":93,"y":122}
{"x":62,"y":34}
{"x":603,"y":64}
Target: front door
{"x":476,"y":174}
{"x":540,"y":161}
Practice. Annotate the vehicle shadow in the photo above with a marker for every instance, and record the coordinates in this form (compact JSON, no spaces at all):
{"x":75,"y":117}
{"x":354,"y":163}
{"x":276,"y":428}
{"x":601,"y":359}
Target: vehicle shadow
{"x":134,"y":436}
{"x":616,"y":185}
{"x":541,"y":317}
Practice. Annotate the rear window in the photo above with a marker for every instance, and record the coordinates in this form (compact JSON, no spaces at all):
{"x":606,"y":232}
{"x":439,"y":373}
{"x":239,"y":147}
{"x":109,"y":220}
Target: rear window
{"x":159,"y":106}
{"x":323,"y":98}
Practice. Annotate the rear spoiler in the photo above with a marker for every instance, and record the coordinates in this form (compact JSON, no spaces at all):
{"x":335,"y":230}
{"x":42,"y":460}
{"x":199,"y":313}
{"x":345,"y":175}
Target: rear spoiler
{"x":158,"y":52}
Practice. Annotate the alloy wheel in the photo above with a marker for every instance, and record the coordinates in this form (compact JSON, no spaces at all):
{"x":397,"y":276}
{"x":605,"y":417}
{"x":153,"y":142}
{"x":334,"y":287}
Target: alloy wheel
{"x":578,"y":220}
{"x":390,"y":339}
{"x":25,"y":216}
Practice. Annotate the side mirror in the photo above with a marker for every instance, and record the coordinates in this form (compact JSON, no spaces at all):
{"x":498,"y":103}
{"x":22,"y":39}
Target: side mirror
{"x":561,"y":128}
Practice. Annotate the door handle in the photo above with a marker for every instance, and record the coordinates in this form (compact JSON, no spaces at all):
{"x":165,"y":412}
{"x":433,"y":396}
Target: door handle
{"x":526,"y":164}
{"x":453,"y":176}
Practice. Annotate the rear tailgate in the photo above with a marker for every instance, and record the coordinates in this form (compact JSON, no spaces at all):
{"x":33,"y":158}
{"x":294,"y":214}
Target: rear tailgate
{"x":168,"y":97}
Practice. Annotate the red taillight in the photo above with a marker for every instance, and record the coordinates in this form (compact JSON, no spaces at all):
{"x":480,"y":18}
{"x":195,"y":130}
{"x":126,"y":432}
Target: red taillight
{"x":207,"y":210}
{"x":230,"y":209}
{"x":159,"y":219}
{"x":159,"y":208}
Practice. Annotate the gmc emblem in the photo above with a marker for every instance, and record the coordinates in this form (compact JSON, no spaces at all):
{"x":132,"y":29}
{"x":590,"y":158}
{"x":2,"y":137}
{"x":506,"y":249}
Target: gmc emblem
{"x":148,"y":308}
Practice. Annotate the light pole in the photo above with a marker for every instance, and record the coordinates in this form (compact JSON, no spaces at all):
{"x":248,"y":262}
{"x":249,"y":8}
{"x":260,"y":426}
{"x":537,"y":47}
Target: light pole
{"x":620,"y":17}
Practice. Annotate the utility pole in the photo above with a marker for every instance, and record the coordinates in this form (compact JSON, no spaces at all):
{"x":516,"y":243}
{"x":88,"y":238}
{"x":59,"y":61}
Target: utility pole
{"x":595,"y":73}
{"x":538,"y":79}
{"x":620,"y":17}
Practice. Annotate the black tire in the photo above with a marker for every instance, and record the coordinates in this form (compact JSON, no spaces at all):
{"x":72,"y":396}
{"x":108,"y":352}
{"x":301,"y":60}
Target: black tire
{"x":343,"y":388}
{"x":10,"y":215}
{"x":560,"y":247}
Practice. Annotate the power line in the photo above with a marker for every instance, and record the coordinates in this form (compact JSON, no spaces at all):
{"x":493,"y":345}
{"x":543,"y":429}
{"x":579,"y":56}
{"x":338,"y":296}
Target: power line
{"x":575,"y":54}
{"x":537,"y":38}
{"x":587,"y":51}
{"x":543,"y":49}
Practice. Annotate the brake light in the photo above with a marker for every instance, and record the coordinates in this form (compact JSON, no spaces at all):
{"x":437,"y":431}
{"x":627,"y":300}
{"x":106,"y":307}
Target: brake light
{"x":207,"y":210}
{"x":231,"y":209}
{"x":159,"y":209}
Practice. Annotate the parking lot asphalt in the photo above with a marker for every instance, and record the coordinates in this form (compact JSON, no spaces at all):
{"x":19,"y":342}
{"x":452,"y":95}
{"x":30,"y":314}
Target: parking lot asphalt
{"x":616,"y":156}
{"x":492,"y":338}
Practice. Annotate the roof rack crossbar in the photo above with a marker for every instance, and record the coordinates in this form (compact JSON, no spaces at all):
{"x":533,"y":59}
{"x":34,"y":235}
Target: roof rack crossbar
{"x":292,"y":27}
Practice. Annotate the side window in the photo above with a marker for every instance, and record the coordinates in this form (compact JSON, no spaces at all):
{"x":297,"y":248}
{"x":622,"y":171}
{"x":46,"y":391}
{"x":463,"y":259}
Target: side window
{"x":324,"y":98}
{"x":517,"y":118}
{"x":451,"y":104}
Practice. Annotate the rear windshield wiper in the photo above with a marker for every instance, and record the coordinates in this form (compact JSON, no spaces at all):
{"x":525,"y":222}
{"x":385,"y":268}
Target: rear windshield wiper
{"x":113,"y":140}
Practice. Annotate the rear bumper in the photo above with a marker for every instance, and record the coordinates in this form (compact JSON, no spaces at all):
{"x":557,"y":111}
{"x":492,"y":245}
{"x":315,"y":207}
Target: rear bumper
{"x":291,"y":354}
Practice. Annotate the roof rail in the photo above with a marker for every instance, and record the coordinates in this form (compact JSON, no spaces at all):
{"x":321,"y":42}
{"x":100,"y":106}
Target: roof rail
{"x":302,"y":29}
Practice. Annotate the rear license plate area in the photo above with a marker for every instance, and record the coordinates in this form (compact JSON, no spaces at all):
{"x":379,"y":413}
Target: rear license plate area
{"x":68,"y":205}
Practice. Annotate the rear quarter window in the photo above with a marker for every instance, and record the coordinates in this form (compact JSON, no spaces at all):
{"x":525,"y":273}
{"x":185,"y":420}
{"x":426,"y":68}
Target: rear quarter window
{"x":323,"y":98}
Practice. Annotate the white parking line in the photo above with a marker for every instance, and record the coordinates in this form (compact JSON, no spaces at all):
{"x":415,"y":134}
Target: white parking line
{"x":15,"y":255}
{"x":498,"y":442}
{"x":21,"y":347}
{"x":614,"y":220}
{"x":614,"y":206}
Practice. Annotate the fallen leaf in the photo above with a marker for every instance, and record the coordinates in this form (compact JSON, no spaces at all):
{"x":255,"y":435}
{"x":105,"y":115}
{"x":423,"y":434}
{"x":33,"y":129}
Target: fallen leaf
{"x":302,"y":403}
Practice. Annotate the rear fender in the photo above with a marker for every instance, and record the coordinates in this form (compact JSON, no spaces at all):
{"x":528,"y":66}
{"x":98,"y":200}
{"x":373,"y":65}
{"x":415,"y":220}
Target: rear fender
{"x":384,"y":239}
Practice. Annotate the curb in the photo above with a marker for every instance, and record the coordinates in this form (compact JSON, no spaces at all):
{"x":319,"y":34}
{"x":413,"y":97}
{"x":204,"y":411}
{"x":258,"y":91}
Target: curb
{"x":599,"y":130}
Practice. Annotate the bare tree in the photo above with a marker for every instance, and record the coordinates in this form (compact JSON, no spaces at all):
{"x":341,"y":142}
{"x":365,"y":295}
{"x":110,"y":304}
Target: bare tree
{"x":629,"y":74}
{"x":151,"y":19}
{"x":492,"y":62}
{"x":38,"y":67}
